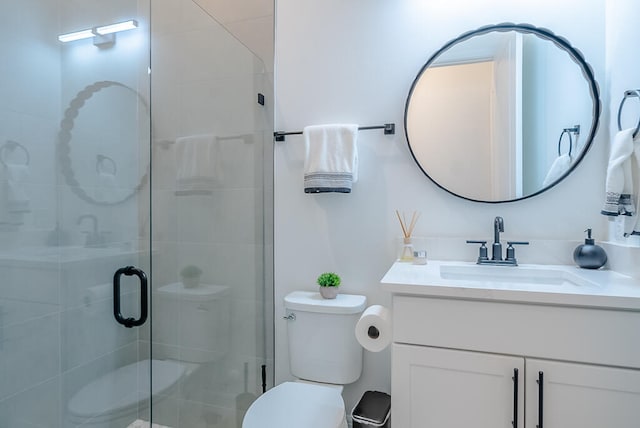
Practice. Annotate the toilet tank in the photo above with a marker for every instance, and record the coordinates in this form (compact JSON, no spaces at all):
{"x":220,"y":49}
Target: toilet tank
{"x":322,"y":340}
{"x":193,"y":323}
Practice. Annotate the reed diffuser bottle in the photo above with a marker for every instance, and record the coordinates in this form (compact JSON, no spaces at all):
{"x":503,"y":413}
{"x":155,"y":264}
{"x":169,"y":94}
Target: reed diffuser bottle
{"x":406,"y":252}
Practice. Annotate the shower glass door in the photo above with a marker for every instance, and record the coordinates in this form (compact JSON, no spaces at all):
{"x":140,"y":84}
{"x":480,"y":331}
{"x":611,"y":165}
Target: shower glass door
{"x":86,"y":157}
{"x":211,"y":196}
{"x":74,"y":208}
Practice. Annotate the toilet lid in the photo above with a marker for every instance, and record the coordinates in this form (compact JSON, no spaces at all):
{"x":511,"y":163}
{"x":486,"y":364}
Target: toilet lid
{"x":124,"y":388}
{"x":295,"y":405}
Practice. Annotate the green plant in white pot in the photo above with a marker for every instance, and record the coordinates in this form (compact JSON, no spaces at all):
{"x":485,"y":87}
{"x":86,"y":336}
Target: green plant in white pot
{"x":329,"y":283}
{"x":190,"y":276}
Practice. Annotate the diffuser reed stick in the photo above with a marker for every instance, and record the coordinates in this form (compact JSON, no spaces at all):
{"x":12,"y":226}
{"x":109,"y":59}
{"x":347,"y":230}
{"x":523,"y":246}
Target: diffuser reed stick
{"x":406,"y":254}
{"x":407,"y":231}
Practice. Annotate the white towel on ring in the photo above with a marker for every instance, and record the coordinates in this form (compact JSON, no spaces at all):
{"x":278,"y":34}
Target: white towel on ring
{"x":619,"y":184}
{"x":632,"y":224}
{"x":14,"y":202}
{"x":559,"y":166}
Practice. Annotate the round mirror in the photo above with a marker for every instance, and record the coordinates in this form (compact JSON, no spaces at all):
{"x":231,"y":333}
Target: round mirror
{"x":502,"y":113}
{"x":101,"y":141}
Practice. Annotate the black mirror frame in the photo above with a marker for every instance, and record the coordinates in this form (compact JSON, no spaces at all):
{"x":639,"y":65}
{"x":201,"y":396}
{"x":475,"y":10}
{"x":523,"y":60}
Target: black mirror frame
{"x":545,"y":34}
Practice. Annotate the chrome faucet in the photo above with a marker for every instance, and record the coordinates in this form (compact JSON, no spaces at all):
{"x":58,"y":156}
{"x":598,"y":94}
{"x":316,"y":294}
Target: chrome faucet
{"x":94,"y":238}
{"x":496,"y":248}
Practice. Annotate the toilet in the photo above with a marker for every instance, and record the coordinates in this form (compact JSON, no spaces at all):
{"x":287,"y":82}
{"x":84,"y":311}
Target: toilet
{"x":324,"y":355}
{"x":193,"y":330}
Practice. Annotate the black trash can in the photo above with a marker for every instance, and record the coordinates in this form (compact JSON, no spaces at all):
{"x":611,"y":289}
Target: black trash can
{"x":373,"y":410}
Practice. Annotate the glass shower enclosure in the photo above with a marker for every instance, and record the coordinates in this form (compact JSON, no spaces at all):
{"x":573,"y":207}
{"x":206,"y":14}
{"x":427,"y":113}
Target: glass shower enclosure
{"x":135,"y":232}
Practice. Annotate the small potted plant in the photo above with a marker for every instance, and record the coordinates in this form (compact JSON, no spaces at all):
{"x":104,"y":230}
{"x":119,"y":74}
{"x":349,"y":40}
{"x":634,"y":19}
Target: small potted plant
{"x":329,"y":283}
{"x":190,"y":276}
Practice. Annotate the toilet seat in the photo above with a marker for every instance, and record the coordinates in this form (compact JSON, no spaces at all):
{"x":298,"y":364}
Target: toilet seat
{"x":295,"y":405}
{"x":118,"y":392}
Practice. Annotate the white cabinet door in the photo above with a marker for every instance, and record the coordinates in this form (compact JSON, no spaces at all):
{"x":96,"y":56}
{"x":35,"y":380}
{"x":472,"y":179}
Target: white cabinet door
{"x":584,"y":396}
{"x":441,"y":388}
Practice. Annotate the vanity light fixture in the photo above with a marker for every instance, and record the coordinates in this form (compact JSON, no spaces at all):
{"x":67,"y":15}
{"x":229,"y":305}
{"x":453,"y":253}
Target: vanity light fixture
{"x":104,"y":34}
{"x":76,"y":35}
{"x":117,"y":27}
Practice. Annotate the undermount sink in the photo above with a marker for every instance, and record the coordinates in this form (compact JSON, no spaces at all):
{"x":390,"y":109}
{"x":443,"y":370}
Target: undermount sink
{"x":514,"y":274}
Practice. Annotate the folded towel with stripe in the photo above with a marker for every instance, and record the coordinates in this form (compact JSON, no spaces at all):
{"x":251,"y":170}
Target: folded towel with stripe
{"x":196,"y":158}
{"x":623,"y":179}
{"x":331,"y":161}
{"x":619,"y":184}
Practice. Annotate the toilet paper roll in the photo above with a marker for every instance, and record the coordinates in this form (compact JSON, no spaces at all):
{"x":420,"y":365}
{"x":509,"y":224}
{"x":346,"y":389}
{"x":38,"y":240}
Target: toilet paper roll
{"x":373,"y":329}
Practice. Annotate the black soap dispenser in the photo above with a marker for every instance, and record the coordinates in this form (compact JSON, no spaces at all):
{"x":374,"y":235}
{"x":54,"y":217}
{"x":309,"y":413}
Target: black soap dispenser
{"x":589,"y":255}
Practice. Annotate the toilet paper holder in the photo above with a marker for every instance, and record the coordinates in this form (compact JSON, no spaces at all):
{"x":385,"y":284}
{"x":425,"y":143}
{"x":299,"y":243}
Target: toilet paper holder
{"x":373,"y":329}
{"x":373,"y":332}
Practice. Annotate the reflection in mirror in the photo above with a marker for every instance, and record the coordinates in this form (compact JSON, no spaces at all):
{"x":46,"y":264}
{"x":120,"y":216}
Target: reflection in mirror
{"x":502,"y":113}
{"x":100,"y":136}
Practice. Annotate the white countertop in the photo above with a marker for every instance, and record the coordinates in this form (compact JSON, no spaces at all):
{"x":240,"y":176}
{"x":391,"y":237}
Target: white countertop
{"x":539,"y":284}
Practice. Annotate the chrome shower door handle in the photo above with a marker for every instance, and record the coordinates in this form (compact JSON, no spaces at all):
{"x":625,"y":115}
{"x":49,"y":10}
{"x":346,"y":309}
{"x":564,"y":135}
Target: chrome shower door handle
{"x":117,"y":313}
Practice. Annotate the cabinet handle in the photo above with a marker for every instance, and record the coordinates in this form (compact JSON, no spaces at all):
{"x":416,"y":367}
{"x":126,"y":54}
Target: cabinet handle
{"x":540,"y":398}
{"x":515,"y":398}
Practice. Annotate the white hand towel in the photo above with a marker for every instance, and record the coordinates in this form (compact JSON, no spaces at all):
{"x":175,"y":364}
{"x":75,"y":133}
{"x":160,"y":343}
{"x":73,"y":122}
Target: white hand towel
{"x":107,"y":189}
{"x":195,"y":157}
{"x":18,"y":201}
{"x":14,"y":202}
{"x":619,"y":186}
{"x":559,"y":166}
{"x":331,"y":162}
{"x":632,"y":224}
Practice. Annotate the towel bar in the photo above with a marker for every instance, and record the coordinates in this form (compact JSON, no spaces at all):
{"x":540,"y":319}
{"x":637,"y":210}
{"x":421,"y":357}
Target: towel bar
{"x":11,"y":146}
{"x":389,"y":129}
{"x":629,"y":94}
{"x":247,"y":138}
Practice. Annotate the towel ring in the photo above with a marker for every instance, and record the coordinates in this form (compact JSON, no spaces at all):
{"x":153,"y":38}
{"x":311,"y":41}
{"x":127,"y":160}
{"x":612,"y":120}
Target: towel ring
{"x":101,"y":166}
{"x":629,"y":94}
{"x":568,"y":132}
{"x":11,"y":146}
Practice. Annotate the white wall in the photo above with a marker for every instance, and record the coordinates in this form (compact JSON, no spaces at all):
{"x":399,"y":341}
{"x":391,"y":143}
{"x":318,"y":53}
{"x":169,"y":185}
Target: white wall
{"x":354,"y":61}
{"x":250,"y":21}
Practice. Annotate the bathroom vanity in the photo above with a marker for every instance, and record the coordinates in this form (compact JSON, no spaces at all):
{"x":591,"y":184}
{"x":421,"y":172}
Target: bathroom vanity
{"x":527,"y":346}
